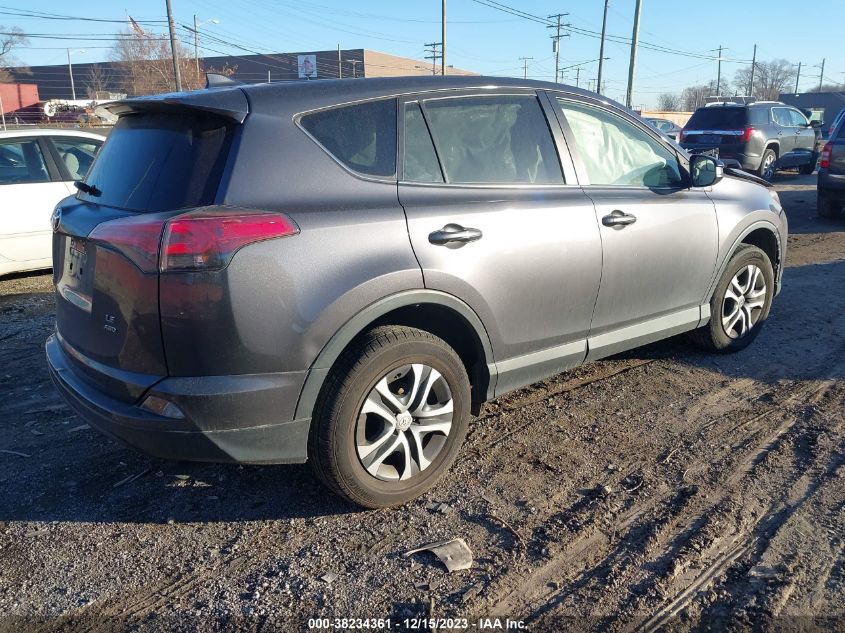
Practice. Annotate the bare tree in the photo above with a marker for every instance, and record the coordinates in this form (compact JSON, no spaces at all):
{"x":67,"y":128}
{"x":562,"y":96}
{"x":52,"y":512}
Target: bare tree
{"x":669,"y":102}
{"x":146,"y":65}
{"x":770,"y":79}
{"x":696,"y":96}
{"x":13,"y":39}
{"x":97,"y":81}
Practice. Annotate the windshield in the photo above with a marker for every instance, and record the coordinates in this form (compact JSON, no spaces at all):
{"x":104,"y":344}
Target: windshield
{"x":160,"y":162}
{"x":717,"y":118}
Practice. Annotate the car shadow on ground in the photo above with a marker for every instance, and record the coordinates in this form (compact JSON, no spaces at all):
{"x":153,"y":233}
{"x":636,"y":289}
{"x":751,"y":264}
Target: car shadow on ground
{"x":70,"y":473}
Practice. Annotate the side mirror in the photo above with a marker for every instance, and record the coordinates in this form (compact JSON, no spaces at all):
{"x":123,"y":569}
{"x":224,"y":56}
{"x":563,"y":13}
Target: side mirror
{"x":816,"y":123}
{"x":705,"y":171}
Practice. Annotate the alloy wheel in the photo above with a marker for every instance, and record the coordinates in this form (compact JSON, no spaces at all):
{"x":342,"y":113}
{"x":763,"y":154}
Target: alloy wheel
{"x":769,"y":167}
{"x":744,"y":300}
{"x":404,"y":422}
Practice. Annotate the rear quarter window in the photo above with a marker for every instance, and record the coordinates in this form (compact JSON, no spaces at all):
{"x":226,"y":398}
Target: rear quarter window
{"x":361,"y":136}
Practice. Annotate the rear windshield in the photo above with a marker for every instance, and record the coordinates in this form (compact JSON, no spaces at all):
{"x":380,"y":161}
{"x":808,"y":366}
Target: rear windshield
{"x":160,"y":162}
{"x":717,"y":118}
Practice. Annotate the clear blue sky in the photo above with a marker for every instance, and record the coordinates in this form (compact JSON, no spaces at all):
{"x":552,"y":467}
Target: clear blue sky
{"x":479,"y":38}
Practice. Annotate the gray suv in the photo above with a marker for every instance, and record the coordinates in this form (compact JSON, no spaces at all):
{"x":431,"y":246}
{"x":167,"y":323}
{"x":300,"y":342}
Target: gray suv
{"x":343,"y":271}
{"x":763,"y":136}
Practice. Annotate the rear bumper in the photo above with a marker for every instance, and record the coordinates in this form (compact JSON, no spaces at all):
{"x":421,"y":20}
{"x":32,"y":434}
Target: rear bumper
{"x":240,"y":419}
{"x":749,"y":162}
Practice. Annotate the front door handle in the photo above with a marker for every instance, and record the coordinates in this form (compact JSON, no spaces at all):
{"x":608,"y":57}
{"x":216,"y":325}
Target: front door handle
{"x":618,"y":218}
{"x":454,"y":235}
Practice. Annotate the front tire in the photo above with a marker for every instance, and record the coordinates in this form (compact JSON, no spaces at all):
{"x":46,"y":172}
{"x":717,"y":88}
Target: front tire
{"x":741,"y":302}
{"x":390,"y":418}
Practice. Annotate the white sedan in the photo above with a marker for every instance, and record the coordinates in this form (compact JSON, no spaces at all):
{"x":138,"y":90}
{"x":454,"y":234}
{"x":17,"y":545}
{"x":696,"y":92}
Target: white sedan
{"x":37,"y":169}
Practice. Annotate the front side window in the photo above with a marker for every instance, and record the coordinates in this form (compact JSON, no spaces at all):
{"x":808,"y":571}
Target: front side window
{"x":498,"y":139}
{"x":21,"y":162}
{"x":77,"y":154}
{"x":781,"y":117}
{"x":360,"y":136}
{"x":798,"y":119}
{"x":617,"y":152}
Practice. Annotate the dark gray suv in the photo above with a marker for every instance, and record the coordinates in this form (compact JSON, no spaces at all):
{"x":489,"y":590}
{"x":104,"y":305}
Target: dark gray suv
{"x":763,"y":136}
{"x":342,"y":271}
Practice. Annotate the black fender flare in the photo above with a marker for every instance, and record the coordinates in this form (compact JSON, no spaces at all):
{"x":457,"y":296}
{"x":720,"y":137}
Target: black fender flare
{"x":354,"y":326}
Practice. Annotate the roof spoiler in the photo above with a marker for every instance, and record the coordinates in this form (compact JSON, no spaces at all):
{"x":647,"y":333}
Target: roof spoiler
{"x":230,"y":104}
{"x":219,"y":80}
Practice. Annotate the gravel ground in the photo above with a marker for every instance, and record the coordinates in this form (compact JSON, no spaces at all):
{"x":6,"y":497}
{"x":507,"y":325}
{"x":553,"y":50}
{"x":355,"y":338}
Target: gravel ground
{"x":661,"y":488}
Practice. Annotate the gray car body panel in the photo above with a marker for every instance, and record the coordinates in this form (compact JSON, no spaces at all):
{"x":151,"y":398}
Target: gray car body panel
{"x":530,"y":291}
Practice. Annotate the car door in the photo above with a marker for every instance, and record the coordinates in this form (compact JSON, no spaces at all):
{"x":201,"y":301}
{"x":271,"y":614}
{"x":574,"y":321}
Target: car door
{"x":659,"y":236}
{"x":30,"y":187}
{"x":497,"y":219}
{"x":786,"y":135}
{"x":805,"y":135}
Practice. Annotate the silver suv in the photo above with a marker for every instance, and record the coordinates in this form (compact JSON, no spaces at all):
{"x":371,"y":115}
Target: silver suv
{"x":343,"y":271}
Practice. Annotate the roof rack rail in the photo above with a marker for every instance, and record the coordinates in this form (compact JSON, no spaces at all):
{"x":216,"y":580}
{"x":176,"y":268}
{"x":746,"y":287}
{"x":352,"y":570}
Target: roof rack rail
{"x":726,"y":100}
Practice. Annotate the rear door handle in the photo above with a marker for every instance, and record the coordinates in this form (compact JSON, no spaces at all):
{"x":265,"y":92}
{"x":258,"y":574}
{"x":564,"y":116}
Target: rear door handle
{"x":454,"y":234}
{"x":618,"y":218}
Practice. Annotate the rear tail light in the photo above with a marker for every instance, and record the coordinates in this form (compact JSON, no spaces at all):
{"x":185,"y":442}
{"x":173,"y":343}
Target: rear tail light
{"x":746,"y":134}
{"x":825,"y":158}
{"x":207,"y":239}
{"x":202,"y":239}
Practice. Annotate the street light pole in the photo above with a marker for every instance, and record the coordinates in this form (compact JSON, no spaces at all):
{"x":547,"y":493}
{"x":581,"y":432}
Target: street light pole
{"x":70,"y":72}
{"x":443,"y":38}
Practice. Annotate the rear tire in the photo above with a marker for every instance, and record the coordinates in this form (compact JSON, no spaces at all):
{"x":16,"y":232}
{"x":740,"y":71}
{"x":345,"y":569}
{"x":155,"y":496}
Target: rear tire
{"x":741,"y":302}
{"x":809,"y":168}
{"x":389,"y":385}
{"x":767,"y":170}
{"x":826,"y":207}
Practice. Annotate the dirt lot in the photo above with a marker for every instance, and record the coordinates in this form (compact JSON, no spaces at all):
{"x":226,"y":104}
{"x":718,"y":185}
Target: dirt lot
{"x":665,"y":487}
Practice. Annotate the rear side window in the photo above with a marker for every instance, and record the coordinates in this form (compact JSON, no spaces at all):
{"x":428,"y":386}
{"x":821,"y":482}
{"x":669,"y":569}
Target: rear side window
{"x":160,"y":162}
{"x":361,"y":136}
{"x":718,"y":118}
{"x":421,"y":163}
{"x":782,"y":117}
{"x":77,"y":154}
{"x":21,"y":162}
{"x":493,"y":139}
{"x":758,"y":116}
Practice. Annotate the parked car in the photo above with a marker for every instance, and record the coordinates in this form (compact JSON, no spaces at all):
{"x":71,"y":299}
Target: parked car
{"x":835,"y":122}
{"x":37,"y":170}
{"x":342,"y":271}
{"x":763,"y":136}
{"x":831,"y":179}
{"x":669,"y":128}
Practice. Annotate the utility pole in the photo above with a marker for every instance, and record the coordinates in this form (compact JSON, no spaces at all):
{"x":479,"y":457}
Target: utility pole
{"x":175,"y":53}
{"x":354,"y":63}
{"x":556,"y":40}
{"x":578,"y":77}
{"x":601,"y":47}
{"x":2,"y":114}
{"x":443,"y":38}
{"x":753,"y":68}
{"x":719,"y":73}
{"x":339,"y":64}
{"x":197,"y":44}
{"x":635,"y":39}
{"x":821,"y":76}
{"x":435,"y":55}
{"x":797,"y":77}
{"x":524,"y":61}
{"x":70,"y":72}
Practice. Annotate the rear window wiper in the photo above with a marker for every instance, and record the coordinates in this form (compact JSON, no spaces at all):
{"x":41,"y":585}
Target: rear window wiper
{"x":91,"y":190}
